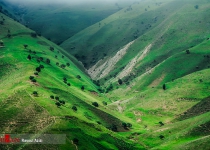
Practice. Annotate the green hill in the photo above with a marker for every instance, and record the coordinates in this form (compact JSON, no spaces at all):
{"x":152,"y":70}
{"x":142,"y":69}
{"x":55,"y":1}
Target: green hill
{"x":40,"y":84}
{"x":150,"y":63}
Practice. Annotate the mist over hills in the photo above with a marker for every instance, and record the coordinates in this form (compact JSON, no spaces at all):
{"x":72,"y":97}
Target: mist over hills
{"x":136,"y":77}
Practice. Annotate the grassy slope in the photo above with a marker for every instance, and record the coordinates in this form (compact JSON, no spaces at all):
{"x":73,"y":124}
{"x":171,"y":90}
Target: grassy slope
{"x":22,"y":112}
{"x":186,"y":75}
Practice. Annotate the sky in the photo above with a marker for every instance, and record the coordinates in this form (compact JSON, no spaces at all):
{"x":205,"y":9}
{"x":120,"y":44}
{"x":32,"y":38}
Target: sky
{"x":60,"y":1}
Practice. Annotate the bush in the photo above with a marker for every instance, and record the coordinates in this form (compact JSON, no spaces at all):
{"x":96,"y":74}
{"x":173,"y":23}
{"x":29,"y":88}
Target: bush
{"x":25,"y":46}
{"x":41,"y":66}
{"x":33,"y":80}
{"x":29,"y":57}
{"x":35,"y":93}
{"x":78,"y":77}
{"x":36,"y":73}
{"x":188,"y":51}
{"x":58,"y":104}
{"x":161,"y":137}
{"x":82,"y":88}
{"x":57,"y":98}
{"x":74,"y":108}
{"x":48,"y":61}
{"x":68,"y":64}
{"x":52,"y":97}
{"x":75,"y":141}
{"x":31,"y":77}
{"x":38,"y":69}
{"x":161,"y":123}
{"x":63,"y":66}
{"x":164,"y":86}
{"x":68,"y":84}
{"x":120,"y":81}
{"x":51,"y":48}
{"x":33,"y":34}
{"x":105,"y":103}
{"x":95,"y":104}
{"x":196,"y":6}
{"x":62,"y":102}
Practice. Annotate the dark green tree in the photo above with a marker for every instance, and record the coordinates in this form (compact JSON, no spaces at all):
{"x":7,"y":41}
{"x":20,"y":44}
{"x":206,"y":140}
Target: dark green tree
{"x":95,"y":104}
{"x":120,"y":81}
{"x":164,"y":86}
{"x":74,"y":108}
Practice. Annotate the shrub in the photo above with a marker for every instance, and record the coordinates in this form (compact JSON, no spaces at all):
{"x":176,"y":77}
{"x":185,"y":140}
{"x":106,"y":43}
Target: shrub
{"x":41,"y":66}
{"x":57,"y":98}
{"x":196,"y":6}
{"x":48,"y":61}
{"x":161,"y":137}
{"x":75,"y":141}
{"x":129,"y":125}
{"x":52,"y":97}
{"x":188,"y":51}
{"x":74,"y":108}
{"x":35,"y":93}
{"x":25,"y":46}
{"x":78,"y":77}
{"x":38,"y":69}
{"x":58,"y":104}
{"x":57,"y":63}
{"x":63,"y":66}
{"x":68,"y":84}
{"x":164,"y":86}
{"x":62,"y":102}
{"x":105,"y":103}
{"x":161,"y":123}
{"x":95,"y":104}
{"x":68,"y":64}
{"x":33,"y":34}
{"x":36,"y":73}
{"x":82,"y":88}
{"x":33,"y":80}
{"x":31,"y":77}
{"x":120,"y":81}
{"x":51,"y":48}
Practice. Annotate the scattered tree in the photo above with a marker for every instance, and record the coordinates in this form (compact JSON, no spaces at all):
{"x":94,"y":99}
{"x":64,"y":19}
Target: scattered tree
{"x":82,"y":88}
{"x":57,"y":63}
{"x":33,"y":34}
{"x":31,"y":77}
{"x":164,"y":86}
{"x":74,"y":108}
{"x":36,"y":73}
{"x":33,"y":80}
{"x":63,"y":66}
{"x":68,"y":84}
{"x":76,"y":141}
{"x":52,"y":97}
{"x":48,"y":61}
{"x":25,"y":46}
{"x":105,"y":103}
{"x":29,"y":57}
{"x":78,"y":77}
{"x":68,"y":64}
{"x":35,"y":93}
{"x":41,"y":66}
{"x":120,"y":81}
{"x":196,"y":6}
{"x":57,"y":98}
{"x":95,"y":104}
{"x":161,"y":137}
{"x":51,"y":48}
{"x":58,"y":104}
{"x":161,"y":123}
{"x":38,"y":69}
{"x":188,"y":51}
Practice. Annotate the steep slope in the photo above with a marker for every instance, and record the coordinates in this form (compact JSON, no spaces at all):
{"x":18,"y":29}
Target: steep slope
{"x":158,"y":29}
{"x":43,"y":91}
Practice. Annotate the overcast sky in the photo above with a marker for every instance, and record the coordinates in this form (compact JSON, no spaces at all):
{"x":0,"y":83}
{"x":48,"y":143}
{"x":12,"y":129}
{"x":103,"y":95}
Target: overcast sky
{"x":60,"y":1}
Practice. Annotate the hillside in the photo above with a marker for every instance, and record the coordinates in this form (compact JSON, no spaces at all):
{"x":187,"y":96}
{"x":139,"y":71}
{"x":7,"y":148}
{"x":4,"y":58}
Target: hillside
{"x":43,"y":91}
{"x":152,"y":61}
{"x":145,"y":84}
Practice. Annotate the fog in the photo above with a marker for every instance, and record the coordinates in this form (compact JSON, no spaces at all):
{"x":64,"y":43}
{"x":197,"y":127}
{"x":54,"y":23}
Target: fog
{"x":65,"y":1}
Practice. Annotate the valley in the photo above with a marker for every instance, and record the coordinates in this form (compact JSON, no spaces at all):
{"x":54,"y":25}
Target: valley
{"x":135,"y":78}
